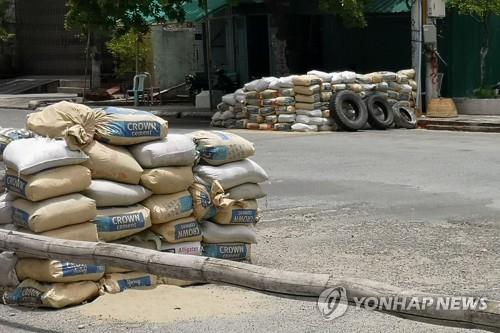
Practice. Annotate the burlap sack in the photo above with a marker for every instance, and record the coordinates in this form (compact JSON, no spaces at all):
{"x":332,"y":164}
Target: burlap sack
{"x":53,"y":213}
{"x":179,"y":231}
{"x":229,"y":251}
{"x":308,"y":106}
{"x":45,"y":270}
{"x":308,"y":98}
{"x":112,"y":163}
{"x":86,"y":232}
{"x":306,"y":80}
{"x":121,"y":126}
{"x":116,"y":223}
{"x":308,"y":91}
{"x":166,"y":208}
{"x":217,"y":147}
{"x":48,"y":183}
{"x":58,"y":295}
{"x":107,"y":193}
{"x":29,"y":156}
{"x":167,"y":180}
{"x":215,"y":233}
{"x":75,"y":122}
{"x":116,"y":282}
{"x":246,"y":191}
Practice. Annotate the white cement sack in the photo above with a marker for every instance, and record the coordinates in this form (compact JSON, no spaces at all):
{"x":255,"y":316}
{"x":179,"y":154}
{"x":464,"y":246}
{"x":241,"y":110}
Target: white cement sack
{"x":214,"y":233}
{"x":302,"y":119}
{"x":53,"y":213}
{"x":229,"y":99}
{"x":45,"y":270}
{"x":336,"y":78}
{"x":7,"y":135}
{"x":167,"y":180}
{"x":85,"y":232}
{"x":217,"y":147}
{"x":112,"y":163}
{"x":217,"y":116}
{"x":257,"y":85}
{"x":112,"y":194}
{"x":232,"y":174}
{"x":319,"y":121}
{"x":246,"y":191}
{"x":239,"y":96}
{"x":116,"y":223}
{"x":326,"y":87}
{"x":8,"y":276}
{"x":310,"y":113}
{"x":202,"y":203}
{"x":325,"y":77}
{"x":40,"y":154}
{"x":286,"y":118}
{"x":6,"y":210}
{"x":58,"y":295}
{"x":182,"y":230}
{"x":308,"y":106}
{"x":406,"y":89}
{"x":348,"y":77}
{"x":286,"y":82}
{"x":116,"y":282}
{"x":49,"y":183}
{"x":228,"y":251}
{"x":227,"y":115}
{"x":298,"y":127}
{"x":166,"y":208}
{"x":363,"y":79}
{"x":121,"y":126}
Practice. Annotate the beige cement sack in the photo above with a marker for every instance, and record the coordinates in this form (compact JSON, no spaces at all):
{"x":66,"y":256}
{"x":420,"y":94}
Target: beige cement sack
{"x":45,"y":270}
{"x":85,"y":232}
{"x":179,"y":231}
{"x":168,"y":180}
{"x":53,"y":213}
{"x":309,"y":90}
{"x":306,"y":80}
{"x":236,"y":212}
{"x":166,"y":208}
{"x":308,"y":106}
{"x":116,"y":223}
{"x":116,"y":282}
{"x":308,"y":98}
{"x":49,"y":183}
{"x":76,"y":122}
{"x":112,"y":163}
{"x":326,"y":96}
{"x":202,"y":203}
{"x":217,"y":147}
{"x":58,"y":295}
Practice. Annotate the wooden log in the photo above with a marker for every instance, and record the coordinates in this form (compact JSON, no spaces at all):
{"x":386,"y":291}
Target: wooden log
{"x":284,"y":283}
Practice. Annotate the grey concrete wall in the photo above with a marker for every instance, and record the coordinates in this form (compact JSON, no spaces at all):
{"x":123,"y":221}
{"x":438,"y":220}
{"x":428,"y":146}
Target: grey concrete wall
{"x":174,"y":54}
{"x":472,"y":106}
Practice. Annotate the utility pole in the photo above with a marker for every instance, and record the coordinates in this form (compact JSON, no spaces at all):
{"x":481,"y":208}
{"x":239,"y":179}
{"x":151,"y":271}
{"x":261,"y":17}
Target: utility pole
{"x":209,"y":54}
{"x":416,"y":47}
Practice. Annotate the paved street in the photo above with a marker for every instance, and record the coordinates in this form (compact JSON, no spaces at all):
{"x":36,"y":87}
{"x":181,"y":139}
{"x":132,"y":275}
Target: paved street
{"x":416,"y":209}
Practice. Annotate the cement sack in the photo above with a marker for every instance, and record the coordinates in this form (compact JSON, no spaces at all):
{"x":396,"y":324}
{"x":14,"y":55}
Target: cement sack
{"x":121,"y":126}
{"x":355,"y":87}
{"x":74,"y":122}
{"x":229,"y":99}
{"x":339,"y":87}
{"x":325,"y":77}
{"x":267,"y":111}
{"x":393,"y":94}
{"x":221,"y":107}
{"x":232,"y":211}
{"x":286,"y":82}
{"x":394,"y":86}
{"x":8,"y":276}
{"x":188,"y":248}
{"x":306,"y":80}
{"x":413,"y":85}
{"x":226,"y":115}
{"x":6,"y":210}
{"x":336,"y":78}
{"x":217,"y":147}
{"x":106,"y":193}
{"x":376,"y":77}
{"x":271,"y":120}
{"x":406,"y":89}
{"x":363,"y":79}
{"x":58,"y":295}
{"x":167,"y":180}
{"x":40,"y":154}
{"x":49,"y":183}
{"x":382,"y":86}
{"x":410,"y":73}
{"x":298,"y":127}
{"x":112,"y":163}
{"x":230,"y":123}
{"x":265,"y":127}
{"x":7,"y":135}
{"x":284,"y":110}
{"x":326,"y":86}
{"x":242,"y":115}
{"x":53,"y":213}
{"x":319,"y":121}
{"x":286,"y":118}
{"x":166,"y":208}
{"x":253,"y":110}
{"x":179,"y":231}
{"x":252,"y":125}
{"x":388,"y":76}
{"x":308,"y":98}
{"x":308,"y":106}
{"x":252,"y":95}
{"x":274,"y":83}
{"x":348,"y":77}
{"x":284,"y":101}
{"x":116,"y":282}
{"x":45,"y":270}
{"x":269,"y":94}
{"x":326,"y":96}
{"x":326,"y":114}
{"x":368,"y":87}
{"x":402,"y":79}
{"x":246,"y":191}
{"x":307,"y":90}
{"x":85,"y":232}
{"x":302,"y":119}
{"x":228,"y":251}
{"x":309,"y":113}
{"x":175,"y":150}
{"x":145,"y":239}
{"x":214,"y":233}
{"x":232,"y":174}
{"x":282,"y":127}
{"x":239,"y":96}
{"x":326,"y":128}
{"x":242,"y":123}
{"x":257,"y":85}
{"x":287,"y":92}
{"x":116,"y":223}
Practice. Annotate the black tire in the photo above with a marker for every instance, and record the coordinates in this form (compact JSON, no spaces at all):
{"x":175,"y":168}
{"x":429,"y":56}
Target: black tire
{"x":404,"y":117}
{"x":380,"y":114}
{"x":348,"y":110}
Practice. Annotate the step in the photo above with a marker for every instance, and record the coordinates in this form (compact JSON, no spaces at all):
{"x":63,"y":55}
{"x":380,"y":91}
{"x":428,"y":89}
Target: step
{"x":70,"y":90}
{"x":74,"y":83}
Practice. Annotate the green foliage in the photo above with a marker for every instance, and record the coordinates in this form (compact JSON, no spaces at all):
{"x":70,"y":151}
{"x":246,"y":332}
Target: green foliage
{"x":480,"y":9}
{"x":125,"y":48}
{"x":485,"y":93}
{"x":351,"y":12}
{"x":5,"y":35}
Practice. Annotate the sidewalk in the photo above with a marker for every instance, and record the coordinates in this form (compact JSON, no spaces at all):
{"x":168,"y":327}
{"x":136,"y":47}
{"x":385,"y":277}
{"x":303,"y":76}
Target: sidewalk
{"x":467,"y":123}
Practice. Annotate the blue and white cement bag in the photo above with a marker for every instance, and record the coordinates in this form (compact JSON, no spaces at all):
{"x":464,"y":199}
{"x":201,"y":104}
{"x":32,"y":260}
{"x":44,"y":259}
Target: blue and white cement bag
{"x":116,"y":223}
{"x":169,"y":207}
{"x":179,"y":231}
{"x":121,"y":126}
{"x":116,"y":282}
{"x":228,"y":251}
{"x":45,"y":270}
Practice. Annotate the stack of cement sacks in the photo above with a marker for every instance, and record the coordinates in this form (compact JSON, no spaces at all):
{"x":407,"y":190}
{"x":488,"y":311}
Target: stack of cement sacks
{"x":225,"y":194}
{"x":231,"y":112}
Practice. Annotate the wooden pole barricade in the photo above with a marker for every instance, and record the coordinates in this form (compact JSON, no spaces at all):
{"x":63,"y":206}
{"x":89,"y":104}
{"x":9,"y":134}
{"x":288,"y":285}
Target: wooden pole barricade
{"x":210,"y":270}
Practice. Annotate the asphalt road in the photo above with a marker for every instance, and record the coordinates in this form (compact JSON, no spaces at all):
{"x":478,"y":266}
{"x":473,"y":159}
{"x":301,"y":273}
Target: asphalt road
{"x":416,"y":209}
